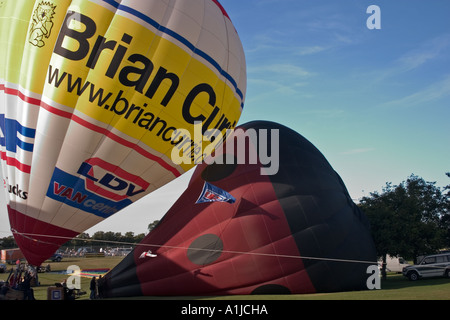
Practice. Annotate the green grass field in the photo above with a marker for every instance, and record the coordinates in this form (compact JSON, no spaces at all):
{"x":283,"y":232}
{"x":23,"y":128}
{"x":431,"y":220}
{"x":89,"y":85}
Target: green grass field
{"x":396,"y":287}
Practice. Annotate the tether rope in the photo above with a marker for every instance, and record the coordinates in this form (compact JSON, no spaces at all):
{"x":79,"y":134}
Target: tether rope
{"x":30,"y":235}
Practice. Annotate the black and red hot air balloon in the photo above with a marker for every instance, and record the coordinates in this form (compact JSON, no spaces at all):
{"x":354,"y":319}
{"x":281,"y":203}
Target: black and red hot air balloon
{"x":296,"y":231}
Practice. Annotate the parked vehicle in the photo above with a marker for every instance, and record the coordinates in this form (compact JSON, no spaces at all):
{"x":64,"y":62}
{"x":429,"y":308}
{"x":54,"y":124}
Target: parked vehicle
{"x":10,"y":256}
{"x":394,"y":264}
{"x":436,"y":265}
{"x":56,"y":257}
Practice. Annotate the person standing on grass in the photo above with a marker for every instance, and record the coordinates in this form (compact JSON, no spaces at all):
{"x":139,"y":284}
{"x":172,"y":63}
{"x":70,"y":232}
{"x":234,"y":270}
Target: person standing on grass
{"x":100,"y":287}
{"x":93,"y":288}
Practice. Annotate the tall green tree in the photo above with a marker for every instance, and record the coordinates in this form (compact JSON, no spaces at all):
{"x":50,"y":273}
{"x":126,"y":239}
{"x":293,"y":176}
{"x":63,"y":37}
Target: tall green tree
{"x":8,"y":243}
{"x":406,"y":219}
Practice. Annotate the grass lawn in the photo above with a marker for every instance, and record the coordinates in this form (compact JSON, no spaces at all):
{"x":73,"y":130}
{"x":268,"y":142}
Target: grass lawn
{"x":50,"y":278}
{"x":396,"y":287}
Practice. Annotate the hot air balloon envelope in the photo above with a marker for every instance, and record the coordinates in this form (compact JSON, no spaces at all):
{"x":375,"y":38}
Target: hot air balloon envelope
{"x":94,"y":95}
{"x":295,"y":230}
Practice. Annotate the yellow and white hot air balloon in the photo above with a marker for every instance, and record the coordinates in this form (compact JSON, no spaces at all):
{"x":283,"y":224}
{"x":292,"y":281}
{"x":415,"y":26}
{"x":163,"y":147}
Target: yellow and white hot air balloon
{"x":94,"y":97}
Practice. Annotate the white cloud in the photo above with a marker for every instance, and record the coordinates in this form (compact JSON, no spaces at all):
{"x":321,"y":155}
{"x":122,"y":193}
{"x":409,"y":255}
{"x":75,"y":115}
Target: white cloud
{"x":283,"y":69}
{"x":273,"y":88}
{"x":303,"y":51}
{"x":435,"y":91}
{"x":425,"y":52}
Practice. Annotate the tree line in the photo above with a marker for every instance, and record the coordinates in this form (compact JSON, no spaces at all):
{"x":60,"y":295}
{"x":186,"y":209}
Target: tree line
{"x":98,"y":239}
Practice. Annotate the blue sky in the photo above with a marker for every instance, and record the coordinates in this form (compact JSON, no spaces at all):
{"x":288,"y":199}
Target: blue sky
{"x":376,"y":103}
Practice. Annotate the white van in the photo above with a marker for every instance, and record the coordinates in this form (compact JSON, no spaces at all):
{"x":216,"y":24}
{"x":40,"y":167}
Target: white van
{"x":394,"y":264}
